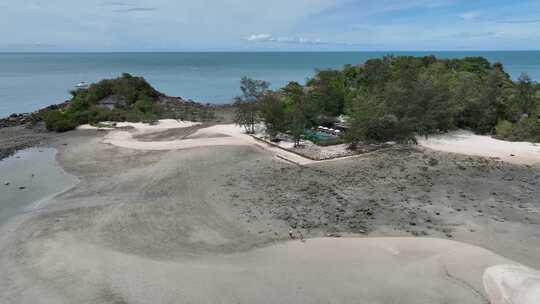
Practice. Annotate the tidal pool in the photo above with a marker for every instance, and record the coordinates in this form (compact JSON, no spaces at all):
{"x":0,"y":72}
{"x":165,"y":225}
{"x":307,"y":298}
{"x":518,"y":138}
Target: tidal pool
{"x":30,"y":176}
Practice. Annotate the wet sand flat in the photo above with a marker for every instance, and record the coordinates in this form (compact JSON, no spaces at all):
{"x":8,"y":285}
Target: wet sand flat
{"x":29,"y":176}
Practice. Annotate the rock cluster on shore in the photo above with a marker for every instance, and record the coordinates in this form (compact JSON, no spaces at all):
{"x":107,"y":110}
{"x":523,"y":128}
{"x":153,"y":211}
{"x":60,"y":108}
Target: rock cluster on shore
{"x":407,"y":191}
{"x":15,"y":120}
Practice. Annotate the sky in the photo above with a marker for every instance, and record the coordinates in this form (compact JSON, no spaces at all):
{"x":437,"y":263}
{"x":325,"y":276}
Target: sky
{"x":270,"y":25}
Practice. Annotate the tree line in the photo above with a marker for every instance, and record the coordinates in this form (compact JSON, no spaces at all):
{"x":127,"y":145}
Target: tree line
{"x":399,"y":98}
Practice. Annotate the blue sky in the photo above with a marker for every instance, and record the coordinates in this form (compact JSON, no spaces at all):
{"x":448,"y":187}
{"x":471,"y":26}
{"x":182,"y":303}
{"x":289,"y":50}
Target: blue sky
{"x":270,"y":25}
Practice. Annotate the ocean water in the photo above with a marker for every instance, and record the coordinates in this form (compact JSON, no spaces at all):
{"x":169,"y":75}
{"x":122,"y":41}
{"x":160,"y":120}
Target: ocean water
{"x":29,"y":81}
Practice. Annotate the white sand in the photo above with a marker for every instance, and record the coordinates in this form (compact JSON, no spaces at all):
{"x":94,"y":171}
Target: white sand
{"x":464,"y":142}
{"x":161,"y":125}
{"x":235,"y":136}
{"x":374,"y":270}
{"x":126,"y":140}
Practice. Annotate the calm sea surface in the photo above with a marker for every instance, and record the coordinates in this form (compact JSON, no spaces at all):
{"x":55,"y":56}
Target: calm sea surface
{"x":29,"y":81}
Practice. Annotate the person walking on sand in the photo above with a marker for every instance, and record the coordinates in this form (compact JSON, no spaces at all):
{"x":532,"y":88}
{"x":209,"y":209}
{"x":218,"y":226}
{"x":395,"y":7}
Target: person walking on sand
{"x":301,"y":236}
{"x":291,"y":235}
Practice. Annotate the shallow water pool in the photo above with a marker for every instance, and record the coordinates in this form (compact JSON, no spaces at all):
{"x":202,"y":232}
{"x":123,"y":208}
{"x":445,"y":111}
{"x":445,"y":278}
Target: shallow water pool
{"x":30,"y":176}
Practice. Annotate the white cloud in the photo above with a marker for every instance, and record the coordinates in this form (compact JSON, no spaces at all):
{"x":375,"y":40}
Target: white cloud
{"x":290,"y":40}
{"x":469,"y":16}
{"x":118,"y":25}
{"x":259,"y":37}
{"x":150,"y":24}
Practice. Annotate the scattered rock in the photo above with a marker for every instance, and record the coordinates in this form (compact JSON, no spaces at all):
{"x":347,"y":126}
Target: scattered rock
{"x":433,"y":162}
{"x":334,"y":235}
{"x":22,"y":187}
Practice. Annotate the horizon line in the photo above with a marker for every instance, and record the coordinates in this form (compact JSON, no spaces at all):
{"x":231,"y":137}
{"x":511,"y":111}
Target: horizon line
{"x":260,"y":51}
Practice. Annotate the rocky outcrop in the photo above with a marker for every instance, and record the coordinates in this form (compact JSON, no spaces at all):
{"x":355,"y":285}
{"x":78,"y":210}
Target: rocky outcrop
{"x":29,"y":119}
{"x":512,"y":284}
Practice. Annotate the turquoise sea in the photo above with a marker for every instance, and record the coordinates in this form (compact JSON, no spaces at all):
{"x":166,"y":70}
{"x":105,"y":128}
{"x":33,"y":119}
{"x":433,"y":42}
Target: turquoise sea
{"x":29,"y":81}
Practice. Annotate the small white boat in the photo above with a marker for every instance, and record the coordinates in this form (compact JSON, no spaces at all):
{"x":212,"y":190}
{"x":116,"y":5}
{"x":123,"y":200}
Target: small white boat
{"x":82,"y":85}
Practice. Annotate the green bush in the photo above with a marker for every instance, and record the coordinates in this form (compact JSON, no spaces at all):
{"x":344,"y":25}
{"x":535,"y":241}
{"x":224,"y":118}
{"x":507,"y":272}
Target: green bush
{"x":136,"y":101}
{"x":329,"y":142}
{"x":59,"y":121}
{"x":388,"y":128}
{"x":527,"y":129}
{"x":504,"y":129}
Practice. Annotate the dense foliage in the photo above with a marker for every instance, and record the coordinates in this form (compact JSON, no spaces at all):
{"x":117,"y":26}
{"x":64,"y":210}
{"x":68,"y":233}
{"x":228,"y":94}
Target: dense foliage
{"x":397,"y":98}
{"x":128,"y":98}
{"x":247,"y":105}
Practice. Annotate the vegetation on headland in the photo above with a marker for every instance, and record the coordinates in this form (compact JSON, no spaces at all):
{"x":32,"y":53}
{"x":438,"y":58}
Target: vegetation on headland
{"x":127,"y":98}
{"x":399,"y":98}
{"x":386,"y":99}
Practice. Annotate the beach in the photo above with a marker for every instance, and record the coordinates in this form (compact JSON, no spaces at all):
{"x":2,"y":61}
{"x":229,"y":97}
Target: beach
{"x":466,"y":142}
{"x":203,"y":214}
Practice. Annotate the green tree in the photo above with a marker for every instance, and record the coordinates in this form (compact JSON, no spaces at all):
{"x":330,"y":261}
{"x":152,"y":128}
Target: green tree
{"x":247,"y":108}
{"x":273,"y":114}
{"x":362,"y":111}
{"x":297,"y":120}
{"x":526,"y":95}
{"x":494,"y":101}
{"x":432,"y":109}
{"x":327,"y":90}
{"x":466,"y":97}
